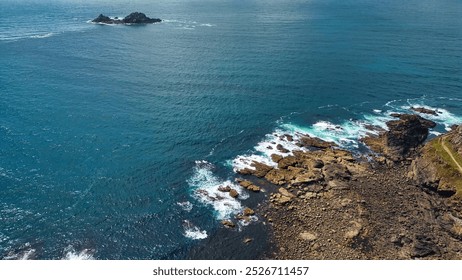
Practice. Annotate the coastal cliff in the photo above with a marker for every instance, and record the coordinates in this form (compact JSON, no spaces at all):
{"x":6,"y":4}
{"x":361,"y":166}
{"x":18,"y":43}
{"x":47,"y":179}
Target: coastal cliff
{"x":401,"y":201}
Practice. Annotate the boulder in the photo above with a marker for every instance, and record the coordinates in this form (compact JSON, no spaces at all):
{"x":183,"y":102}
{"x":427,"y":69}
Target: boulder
{"x":248,"y":212}
{"x":282,"y":149}
{"x":224,"y":188}
{"x":233,"y":193}
{"x":228,"y":223}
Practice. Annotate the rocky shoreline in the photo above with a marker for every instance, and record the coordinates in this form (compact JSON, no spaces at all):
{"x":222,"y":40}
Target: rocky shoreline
{"x":400,"y":201}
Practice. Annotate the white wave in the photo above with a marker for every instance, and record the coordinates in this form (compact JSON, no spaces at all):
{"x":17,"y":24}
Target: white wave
{"x":207,"y":25}
{"x":444,"y":117}
{"x":186,"y":206}
{"x":205,"y":186}
{"x":71,"y":254}
{"x":193,"y":232}
{"x":41,"y":36}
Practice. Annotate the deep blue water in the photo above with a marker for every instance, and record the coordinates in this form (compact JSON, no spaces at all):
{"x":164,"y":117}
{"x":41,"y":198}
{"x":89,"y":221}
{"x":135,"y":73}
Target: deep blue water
{"x":107,"y":132}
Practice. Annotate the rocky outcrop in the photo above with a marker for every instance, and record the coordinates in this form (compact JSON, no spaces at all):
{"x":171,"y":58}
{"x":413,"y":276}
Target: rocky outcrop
{"x":438,"y":166}
{"x":133,"y":18}
{"x":425,"y":111}
{"x":402,"y":137}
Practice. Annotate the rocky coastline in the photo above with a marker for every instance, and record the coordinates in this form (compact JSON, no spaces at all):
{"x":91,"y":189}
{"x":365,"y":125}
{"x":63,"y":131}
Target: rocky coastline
{"x":402,"y":200}
{"x":133,"y":18}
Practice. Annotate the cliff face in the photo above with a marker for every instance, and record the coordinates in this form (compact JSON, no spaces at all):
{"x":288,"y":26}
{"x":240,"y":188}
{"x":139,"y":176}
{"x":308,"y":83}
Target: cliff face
{"x":439,"y":164}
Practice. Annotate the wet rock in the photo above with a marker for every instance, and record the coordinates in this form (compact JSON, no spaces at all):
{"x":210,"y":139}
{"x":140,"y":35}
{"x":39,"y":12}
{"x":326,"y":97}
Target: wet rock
{"x":425,"y":111}
{"x":314,"y":142}
{"x":282,"y":149}
{"x":233,"y":193}
{"x":276,"y":158}
{"x":248,"y":212}
{"x":224,"y":188}
{"x":133,"y":18}
{"x":228,"y":224}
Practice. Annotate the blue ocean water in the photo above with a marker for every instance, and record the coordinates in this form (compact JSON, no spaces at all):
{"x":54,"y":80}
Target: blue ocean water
{"x":108,"y":132}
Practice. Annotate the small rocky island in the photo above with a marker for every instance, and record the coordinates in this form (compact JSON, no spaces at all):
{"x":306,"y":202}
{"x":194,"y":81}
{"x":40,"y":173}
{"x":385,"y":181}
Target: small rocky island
{"x":133,"y":18}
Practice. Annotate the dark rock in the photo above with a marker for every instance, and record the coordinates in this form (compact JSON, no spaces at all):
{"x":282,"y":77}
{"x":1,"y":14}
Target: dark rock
{"x":276,"y":158}
{"x":423,"y":247}
{"x":139,"y":18}
{"x":289,"y":137}
{"x":318,"y":164}
{"x":133,"y":18}
{"x":282,"y":149}
{"x":314,"y":142}
{"x":405,"y":134}
{"x":425,"y":111}
{"x":224,"y":188}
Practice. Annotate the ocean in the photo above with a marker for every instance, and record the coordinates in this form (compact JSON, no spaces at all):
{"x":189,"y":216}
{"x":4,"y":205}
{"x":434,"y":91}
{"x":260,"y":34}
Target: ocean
{"x":114,"y":139}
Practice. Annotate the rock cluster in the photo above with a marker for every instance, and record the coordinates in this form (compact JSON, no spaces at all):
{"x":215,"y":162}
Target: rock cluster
{"x":133,"y":18}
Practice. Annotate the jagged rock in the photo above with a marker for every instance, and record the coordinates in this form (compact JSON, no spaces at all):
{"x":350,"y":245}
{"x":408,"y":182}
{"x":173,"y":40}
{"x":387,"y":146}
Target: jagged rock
{"x":260,"y":170}
{"x":289,"y":137}
{"x":287,"y":161}
{"x":282,"y":149}
{"x":244,"y":183}
{"x":228,"y":223}
{"x":224,"y":188}
{"x":248,"y":212}
{"x":233,"y":193}
{"x":402,"y":137}
{"x":276,"y":158}
{"x":425,"y":111}
{"x":318,"y":164}
{"x":139,"y":18}
{"x":308,"y":177}
{"x":285,"y":192}
{"x":423,"y":247}
{"x":336,"y":171}
{"x":314,"y":142}
{"x":103,"y":19}
{"x":133,"y":18}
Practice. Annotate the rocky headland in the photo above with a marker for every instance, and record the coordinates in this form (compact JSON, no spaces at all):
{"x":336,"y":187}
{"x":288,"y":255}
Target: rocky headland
{"x":133,"y":18}
{"x":400,"y":201}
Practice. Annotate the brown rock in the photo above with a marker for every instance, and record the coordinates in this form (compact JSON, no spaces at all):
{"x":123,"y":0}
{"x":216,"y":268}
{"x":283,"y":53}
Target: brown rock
{"x":233,"y":193}
{"x":248,"y":212}
{"x":424,"y":111}
{"x":228,"y":223}
{"x":286,"y":162}
{"x":282,"y":149}
{"x":276,"y":158}
{"x":224,"y":188}
{"x":314,"y":142}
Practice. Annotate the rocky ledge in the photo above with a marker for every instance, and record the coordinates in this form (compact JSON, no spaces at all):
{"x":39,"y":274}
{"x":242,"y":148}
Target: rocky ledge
{"x":133,"y":18}
{"x":402,"y":201}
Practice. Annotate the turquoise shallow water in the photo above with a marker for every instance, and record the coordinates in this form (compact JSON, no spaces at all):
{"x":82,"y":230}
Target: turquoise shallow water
{"x":106,"y":132}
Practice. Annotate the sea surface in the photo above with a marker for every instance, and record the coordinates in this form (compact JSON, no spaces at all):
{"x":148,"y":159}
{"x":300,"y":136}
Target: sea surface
{"x":114,"y":139}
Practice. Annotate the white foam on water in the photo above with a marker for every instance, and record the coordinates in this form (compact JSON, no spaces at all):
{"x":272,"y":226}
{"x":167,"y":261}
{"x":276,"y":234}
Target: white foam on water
{"x":205,"y":184}
{"x":71,"y":254}
{"x":193,"y":232}
{"x":41,"y":36}
{"x":444,"y":117}
{"x":186,"y":206}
